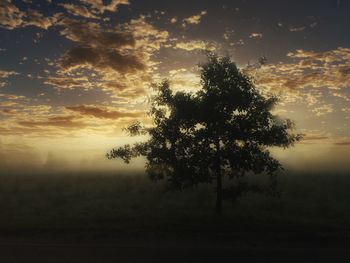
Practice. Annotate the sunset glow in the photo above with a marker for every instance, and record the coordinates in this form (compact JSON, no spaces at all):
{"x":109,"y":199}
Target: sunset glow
{"x":74,"y":73}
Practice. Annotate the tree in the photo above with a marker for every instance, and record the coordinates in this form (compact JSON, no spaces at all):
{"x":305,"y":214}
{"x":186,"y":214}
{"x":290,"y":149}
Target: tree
{"x":222,"y":130}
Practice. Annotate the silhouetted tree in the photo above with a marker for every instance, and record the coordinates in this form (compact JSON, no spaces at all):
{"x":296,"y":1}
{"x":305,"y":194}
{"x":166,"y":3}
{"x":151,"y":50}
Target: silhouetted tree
{"x":224,"y":129}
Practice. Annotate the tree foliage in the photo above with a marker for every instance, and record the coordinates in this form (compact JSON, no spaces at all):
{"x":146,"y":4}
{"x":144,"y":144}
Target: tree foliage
{"x":223,"y":129}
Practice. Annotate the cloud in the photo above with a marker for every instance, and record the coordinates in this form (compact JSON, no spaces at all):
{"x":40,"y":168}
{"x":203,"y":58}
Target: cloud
{"x":255,"y":35}
{"x":79,"y":10}
{"x":314,"y":138}
{"x":148,"y":38}
{"x":61,"y":122}
{"x":58,"y":121}
{"x":119,"y":58}
{"x":11,"y":96}
{"x":8,"y":111}
{"x":194,"y":20}
{"x":103,"y":112}
{"x":68,"y":82}
{"x":309,"y":69}
{"x":92,"y":34}
{"x":101,"y":58}
{"x":194,"y":45}
{"x":4,"y":75}
{"x":184,"y":79}
{"x":296,"y":29}
{"x":101,"y":49}
{"x":341,"y":95}
{"x":342,"y":143}
{"x":306,"y":76}
{"x":173,"y":20}
{"x":35,"y":18}
{"x":314,"y":24}
{"x":99,"y":7}
{"x":7,"y":74}
{"x":10,"y":16}
{"x":108,"y":54}
{"x":7,"y":103}
{"x":323,"y":110}
{"x":17,"y":110}
{"x":302,"y":28}
{"x":228,"y":34}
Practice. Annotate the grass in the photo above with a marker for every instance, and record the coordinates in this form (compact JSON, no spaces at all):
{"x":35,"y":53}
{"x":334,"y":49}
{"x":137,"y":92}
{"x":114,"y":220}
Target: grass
{"x":133,"y":205}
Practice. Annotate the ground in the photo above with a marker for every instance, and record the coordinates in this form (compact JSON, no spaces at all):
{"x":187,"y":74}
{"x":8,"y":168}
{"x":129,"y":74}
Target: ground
{"x":126,"y":218}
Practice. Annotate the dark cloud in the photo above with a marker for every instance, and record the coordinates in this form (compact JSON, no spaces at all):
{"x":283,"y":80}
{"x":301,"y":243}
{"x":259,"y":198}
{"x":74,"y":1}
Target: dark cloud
{"x":104,"y":113}
{"x":92,"y":34}
{"x":121,"y":63}
{"x":118,"y":59}
{"x":81,"y":55}
{"x":101,"y":58}
{"x":102,"y":50}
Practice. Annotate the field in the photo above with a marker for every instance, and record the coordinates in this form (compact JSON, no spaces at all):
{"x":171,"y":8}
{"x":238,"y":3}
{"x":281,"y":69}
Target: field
{"x":127,"y":218}
{"x":313,"y":210}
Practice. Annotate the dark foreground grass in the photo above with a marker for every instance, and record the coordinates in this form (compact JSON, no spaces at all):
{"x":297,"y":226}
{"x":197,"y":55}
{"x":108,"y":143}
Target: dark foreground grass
{"x":312,"y":208}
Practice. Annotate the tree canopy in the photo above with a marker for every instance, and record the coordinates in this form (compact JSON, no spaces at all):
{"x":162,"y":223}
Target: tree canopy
{"x":223,"y":129}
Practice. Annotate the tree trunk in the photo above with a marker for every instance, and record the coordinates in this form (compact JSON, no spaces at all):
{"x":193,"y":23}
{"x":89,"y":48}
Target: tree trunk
{"x":218,"y":181}
{"x":218,"y":193}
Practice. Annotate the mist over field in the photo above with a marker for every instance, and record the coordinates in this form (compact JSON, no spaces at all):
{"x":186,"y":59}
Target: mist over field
{"x":326,"y":158}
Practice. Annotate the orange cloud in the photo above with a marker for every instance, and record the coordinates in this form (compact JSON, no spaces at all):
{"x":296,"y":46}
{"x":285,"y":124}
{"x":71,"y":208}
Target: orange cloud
{"x":194,"y":45}
{"x":255,"y":35}
{"x":79,"y":10}
{"x":68,"y":82}
{"x":309,"y":70}
{"x":343,"y":143}
{"x":99,"y":7}
{"x":103,"y":112}
{"x":4,"y":75}
{"x":10,"y":16}
{"x":35,"y":18}
{"x":195,"y":19}
{"x":58,"y":121}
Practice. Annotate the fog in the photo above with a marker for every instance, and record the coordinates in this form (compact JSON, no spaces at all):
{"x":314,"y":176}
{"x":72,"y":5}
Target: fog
{"x":25,"y":159}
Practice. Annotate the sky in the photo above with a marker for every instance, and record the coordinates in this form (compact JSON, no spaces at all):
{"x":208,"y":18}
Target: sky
{"x":74,"y":73}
